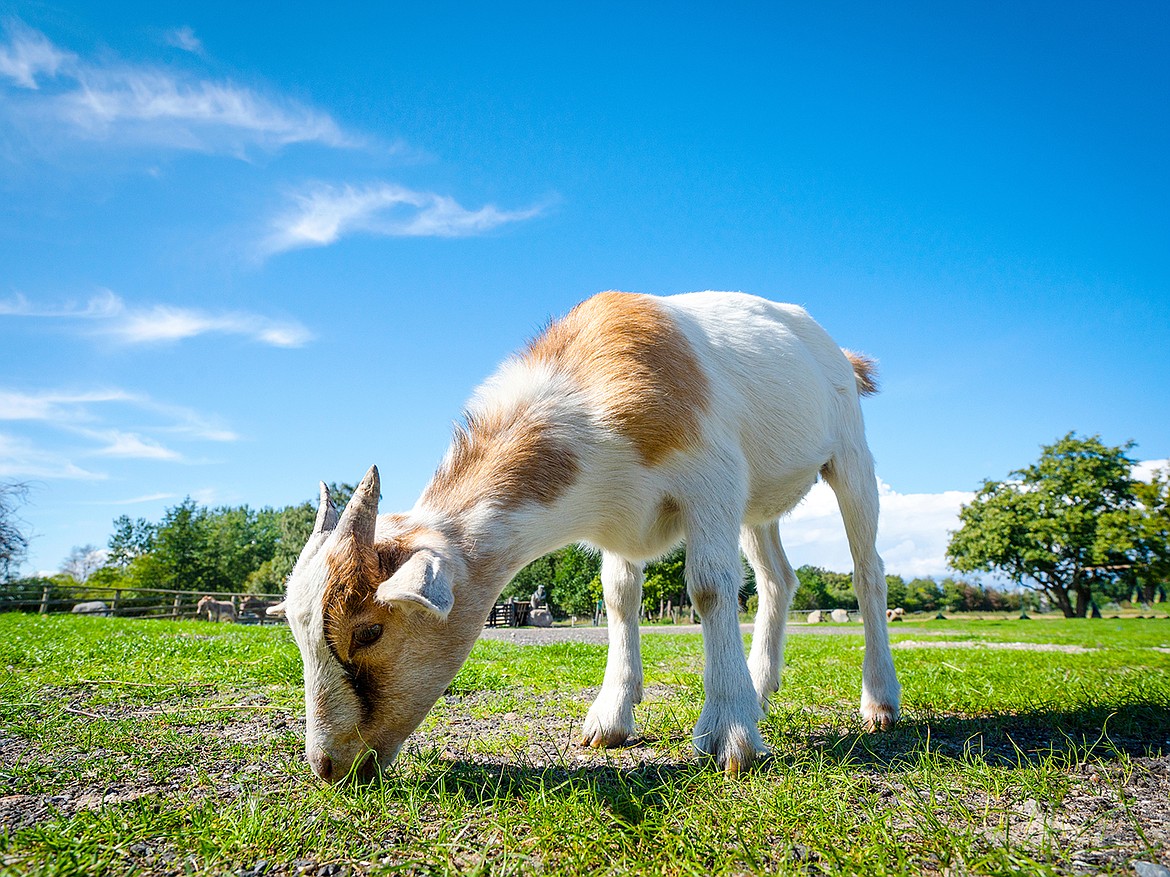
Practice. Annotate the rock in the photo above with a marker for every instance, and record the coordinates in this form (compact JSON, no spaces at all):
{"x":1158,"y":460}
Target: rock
{"x":816,"y":616}
{"x":839,"y":616}
{"x":1150,"y":869}
{"x":540,"y":618}
{"x":91,"y":607}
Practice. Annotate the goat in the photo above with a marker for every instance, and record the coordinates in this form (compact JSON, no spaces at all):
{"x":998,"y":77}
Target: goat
{"x":631,"y":424}
{"x":216,"y":610}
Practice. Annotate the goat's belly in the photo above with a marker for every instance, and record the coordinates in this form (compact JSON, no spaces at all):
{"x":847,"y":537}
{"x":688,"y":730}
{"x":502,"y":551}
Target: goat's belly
{"x":772,"y":499}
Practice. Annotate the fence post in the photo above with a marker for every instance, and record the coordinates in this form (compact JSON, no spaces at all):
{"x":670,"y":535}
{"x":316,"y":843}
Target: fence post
{"x":117,"y":597}
{"x":175,"y":609}
{"x":45,"y":600}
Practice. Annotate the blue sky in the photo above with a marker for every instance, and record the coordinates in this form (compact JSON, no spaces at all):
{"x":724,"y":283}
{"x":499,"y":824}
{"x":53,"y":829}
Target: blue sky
{"x":246,"y":248}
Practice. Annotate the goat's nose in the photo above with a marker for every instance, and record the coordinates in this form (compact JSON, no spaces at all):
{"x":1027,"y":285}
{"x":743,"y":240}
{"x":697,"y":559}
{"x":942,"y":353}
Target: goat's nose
{"x":322,"y":765}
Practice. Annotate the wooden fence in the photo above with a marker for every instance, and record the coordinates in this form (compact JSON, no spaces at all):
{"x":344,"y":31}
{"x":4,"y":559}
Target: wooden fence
{"x":132,"y":602}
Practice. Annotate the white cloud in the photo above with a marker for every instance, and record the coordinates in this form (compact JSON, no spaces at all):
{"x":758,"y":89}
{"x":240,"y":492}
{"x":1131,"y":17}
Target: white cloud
{"x":137,"y":500}
{"x":157,"y":106}
{"x":58,"y":406}
{"x":110,"y":316}
{"x":1145,"y":470}
{"x":322,"y":214}
{"x":166,"y":323}
{"x":913,"y":531}
{"x":132,"y":446}
{"x":184,"y":38}
{"x":95,"y":425}
{"x":20,"y":459}
{"x":28,"y":55}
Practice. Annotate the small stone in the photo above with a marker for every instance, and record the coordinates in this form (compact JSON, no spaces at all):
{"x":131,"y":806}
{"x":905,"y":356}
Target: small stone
{"x":1150,"y":869}
{"x":260,"y":867}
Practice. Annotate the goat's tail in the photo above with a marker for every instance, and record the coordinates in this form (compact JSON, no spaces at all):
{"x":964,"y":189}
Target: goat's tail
{"x":864,"y":370}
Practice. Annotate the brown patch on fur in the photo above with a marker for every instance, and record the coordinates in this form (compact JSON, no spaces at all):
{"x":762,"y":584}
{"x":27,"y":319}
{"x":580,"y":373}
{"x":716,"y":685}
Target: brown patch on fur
{"x":864,"y":370}
{"x":628,"y":354}
{"x":354,"y":572}
{"x":510,"y":457}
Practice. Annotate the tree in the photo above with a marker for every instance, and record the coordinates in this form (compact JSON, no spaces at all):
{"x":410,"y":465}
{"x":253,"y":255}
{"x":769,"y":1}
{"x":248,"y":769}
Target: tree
{"x":1144,"y":531}
{"x":13,"y":543}
{"x":1047,"y":526}
{"x":82,"y":562}
{"x":130,"y":539}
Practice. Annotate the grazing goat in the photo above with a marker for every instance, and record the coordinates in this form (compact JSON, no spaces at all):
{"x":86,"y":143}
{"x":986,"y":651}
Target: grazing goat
{"x":216,"y":610}
{"x":631,"y":424}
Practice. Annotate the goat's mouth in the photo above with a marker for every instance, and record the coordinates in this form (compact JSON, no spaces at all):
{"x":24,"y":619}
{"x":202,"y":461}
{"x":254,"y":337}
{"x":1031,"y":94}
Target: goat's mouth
{"x":367,"y":766}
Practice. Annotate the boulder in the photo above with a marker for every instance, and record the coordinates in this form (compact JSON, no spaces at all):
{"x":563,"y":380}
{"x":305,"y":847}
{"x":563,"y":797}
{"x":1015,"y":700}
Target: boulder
{"x":839,"y":616}
{"x":540,"y":618}
{"x":91,"y":607}
{"x":816,"y":616}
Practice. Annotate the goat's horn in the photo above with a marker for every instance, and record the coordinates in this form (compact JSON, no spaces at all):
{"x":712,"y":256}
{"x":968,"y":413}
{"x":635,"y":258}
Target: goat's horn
{"x":361,"y":512}
{"x":326,"y":512}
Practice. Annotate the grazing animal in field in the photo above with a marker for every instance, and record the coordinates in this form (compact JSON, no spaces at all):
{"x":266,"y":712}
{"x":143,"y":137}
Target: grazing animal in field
{"x":216,"y":610}
{"x":632,"y":423}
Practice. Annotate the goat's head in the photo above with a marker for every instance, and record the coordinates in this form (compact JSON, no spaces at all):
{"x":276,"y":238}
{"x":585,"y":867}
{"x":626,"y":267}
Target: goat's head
{"x":372,"y":616}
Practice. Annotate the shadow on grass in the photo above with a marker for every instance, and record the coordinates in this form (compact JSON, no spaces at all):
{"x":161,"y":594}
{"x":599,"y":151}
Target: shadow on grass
{"x":1009,"y":740}
{"x":1104,"y":733}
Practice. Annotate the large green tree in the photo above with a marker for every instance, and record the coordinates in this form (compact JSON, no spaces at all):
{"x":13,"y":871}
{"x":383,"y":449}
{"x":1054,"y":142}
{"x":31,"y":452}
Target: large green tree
{"x":1047,"y":526}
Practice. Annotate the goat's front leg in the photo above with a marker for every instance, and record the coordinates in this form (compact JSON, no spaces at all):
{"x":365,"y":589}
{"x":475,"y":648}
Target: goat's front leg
{"x":610,"y":721}
{"x":728,"y":727}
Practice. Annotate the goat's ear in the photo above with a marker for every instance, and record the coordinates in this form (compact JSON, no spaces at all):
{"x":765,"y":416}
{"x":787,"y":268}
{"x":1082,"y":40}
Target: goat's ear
{"x":419,"y":584}
{"x":276,"y":611}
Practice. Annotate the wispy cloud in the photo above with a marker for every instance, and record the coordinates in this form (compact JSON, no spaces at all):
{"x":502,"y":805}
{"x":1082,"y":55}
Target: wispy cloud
{"x":76,"y":410}
{"x":105,"y":423}
{"x":137,"y":500}
{"x":55,"y":405}
{"x":321,"y":214}
{"x":152,"y":105}
{"x":19,"y":458}
{"x":184,"y":38}
{"x":106,"y":314}
{"x":129,"y":445}
{"x":28,"y":55}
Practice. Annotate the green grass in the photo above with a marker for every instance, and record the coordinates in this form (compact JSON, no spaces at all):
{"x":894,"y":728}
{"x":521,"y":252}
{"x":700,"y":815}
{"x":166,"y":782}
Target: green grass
{"x":175,"y":748}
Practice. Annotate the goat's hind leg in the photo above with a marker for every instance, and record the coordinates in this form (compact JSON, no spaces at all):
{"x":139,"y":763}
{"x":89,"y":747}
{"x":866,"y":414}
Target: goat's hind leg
{"x":610,"y":721}
{"x":851,"y":476}
{"x":775,"y":584}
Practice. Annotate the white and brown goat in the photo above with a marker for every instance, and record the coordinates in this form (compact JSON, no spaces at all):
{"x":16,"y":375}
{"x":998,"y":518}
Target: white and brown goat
{"x":631,"y":424}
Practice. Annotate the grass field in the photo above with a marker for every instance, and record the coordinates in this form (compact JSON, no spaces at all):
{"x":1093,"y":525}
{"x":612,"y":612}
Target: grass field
{"x":1038,"y":747}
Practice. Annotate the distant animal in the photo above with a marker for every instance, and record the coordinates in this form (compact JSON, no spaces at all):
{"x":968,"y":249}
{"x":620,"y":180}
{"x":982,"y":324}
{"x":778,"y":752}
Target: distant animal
{"x":216,"y":610}
{"x":631,"y":424}
{"x":895,"y":614}
{"x":91,"y":607}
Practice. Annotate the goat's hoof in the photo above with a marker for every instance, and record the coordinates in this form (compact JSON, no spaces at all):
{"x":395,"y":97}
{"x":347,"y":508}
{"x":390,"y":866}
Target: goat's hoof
{"x":735,"y":749}
{"x":608,"y":724}
{"x":879,"y":718}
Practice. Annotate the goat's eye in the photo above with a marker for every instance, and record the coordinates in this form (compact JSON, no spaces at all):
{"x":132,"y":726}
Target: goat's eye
{"x":367,"y":634}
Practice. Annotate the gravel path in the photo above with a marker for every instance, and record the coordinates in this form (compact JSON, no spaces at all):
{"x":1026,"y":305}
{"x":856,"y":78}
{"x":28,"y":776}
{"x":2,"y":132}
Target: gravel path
{"x":543,"y":636}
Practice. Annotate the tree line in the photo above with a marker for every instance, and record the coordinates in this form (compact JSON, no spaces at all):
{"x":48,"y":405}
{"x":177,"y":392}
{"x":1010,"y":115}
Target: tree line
{"x":1073,"y":528}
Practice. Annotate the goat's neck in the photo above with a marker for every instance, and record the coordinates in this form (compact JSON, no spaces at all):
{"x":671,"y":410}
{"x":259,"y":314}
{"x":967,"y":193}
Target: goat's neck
{"x":495,"y":544}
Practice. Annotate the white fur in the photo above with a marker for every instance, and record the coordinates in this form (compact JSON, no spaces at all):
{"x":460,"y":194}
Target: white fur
{"x":783,"y":408}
